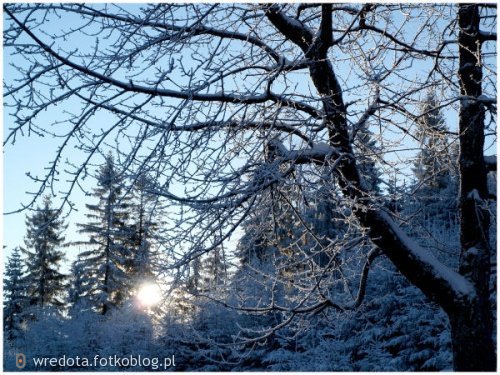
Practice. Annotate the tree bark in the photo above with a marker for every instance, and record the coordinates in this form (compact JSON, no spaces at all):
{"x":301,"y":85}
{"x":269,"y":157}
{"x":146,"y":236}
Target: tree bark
{"x":472,"y":323}
{"x":471,"y":334}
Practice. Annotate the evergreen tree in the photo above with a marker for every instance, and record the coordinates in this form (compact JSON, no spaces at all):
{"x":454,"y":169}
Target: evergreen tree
{"x":14,"y":295}
{"x":326,"y":219}
{"x":366,"y":153}
{"x":393,"y":195}
{"x":214,"y":272}
{"x":76,"y":283}
{"x":107,"y":260}
{"x":256,"y":280}
{"x":45,"y":284}
{"x":143,"y":231}
{"x":432,"y":167}
{"x":194,"y":280}
{"x":187,"y":290}
{"x":436,"y":185}
{"x":78,"y":288}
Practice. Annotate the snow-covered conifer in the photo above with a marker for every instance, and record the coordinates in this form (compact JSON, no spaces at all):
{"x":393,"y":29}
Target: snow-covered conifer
{"x":45,"y":283}
{"x":107,"y":257}
{"x":15,"y":300}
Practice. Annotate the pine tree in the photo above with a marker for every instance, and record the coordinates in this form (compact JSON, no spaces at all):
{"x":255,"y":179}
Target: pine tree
{"x":393,"y":194}
{"x":326,"y":219}
{"x":15,"y":300}
{"x":214,"y":271}
{"x":432,"y":167}
{"x":143,"y":231}
{"x":194,"y":280}
{"x":366,"y":154}
{"x":78,"y":288}
{"x":436,"y":185}
{"x":186,"y":291}
{"x":265,"y":247}
{"x":45,"y":283}
{"x":107,"y":260}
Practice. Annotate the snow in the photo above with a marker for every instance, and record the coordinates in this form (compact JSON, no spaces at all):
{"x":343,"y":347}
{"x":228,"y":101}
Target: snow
{"x":468,"y":100}
{"x":486,"y":99}
{"x":319,"y":151}
{"x":296,"y":24}
{"x":459,"y":284}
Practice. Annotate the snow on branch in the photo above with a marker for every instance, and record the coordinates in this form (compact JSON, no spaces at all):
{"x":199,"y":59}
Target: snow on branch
{"x":430,"y":265}
{"x":319,"y":153}
{"x":292,"y":28}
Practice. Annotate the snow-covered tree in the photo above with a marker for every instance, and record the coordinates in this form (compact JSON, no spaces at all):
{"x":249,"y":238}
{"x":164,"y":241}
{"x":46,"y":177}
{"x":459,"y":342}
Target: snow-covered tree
{"x":145,"y":222}
{"x":394,"y":194}
{"x":78,"y":288}
{"x":432,"y":167}
{"x":194,"y":278}
{"x":436,"y":167}
{"x":368,"y":152}
{"x":107,"y":258}
{"x":44,"y":281}
{"x":15,"y":299}
{"x":214,"y":271}
{"x":257,"y":251}
{"x":431,"y":198}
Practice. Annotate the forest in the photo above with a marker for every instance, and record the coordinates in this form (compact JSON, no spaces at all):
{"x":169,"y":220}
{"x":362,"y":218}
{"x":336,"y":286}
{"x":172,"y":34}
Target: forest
{"x":251,"y":187}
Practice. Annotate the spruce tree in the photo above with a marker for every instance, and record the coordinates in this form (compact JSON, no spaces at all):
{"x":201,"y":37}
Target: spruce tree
{"x":45,"y":284}
{"x":393,"y":194}
{"x":143,"y":231}
{"x":194,"y":279}
{"x":432,"y":167}
{"x":366,"y":152}
{"x":214,"y":271}
{"x":78,"y":287}
{"x":107,"y":258}
{"x":14,"y":295}
{"x":436,"y":185}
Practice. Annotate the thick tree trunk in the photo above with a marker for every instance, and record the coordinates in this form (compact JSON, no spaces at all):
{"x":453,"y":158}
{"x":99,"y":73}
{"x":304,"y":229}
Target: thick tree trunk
{"x":473,"y":347}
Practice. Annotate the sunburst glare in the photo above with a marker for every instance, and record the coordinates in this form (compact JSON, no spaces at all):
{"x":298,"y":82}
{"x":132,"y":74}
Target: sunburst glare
{"x":149,"y":295}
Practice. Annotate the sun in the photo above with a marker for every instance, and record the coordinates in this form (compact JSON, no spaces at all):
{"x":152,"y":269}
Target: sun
{"x":149,"y":295}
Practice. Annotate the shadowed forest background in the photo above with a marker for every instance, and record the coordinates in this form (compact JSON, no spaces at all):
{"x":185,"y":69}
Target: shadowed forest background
{"x":277,"y":187}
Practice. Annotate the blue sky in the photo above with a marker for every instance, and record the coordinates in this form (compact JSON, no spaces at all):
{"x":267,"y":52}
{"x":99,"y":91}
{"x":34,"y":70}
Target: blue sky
{"x":18,"y":161}
{"x":33,"y":154}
